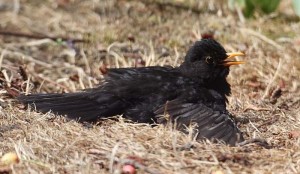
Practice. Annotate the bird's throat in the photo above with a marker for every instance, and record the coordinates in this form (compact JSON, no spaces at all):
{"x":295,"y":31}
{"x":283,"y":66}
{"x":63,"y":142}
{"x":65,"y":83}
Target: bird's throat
{"x":221,"y":86}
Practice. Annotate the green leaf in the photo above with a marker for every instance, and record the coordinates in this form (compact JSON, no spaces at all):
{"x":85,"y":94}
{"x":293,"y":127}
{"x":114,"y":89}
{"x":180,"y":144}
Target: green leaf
{"x":266,"y":6}
{"x":269,"y":6}
{"x":296,"y":5}
{"x":249,"y":8}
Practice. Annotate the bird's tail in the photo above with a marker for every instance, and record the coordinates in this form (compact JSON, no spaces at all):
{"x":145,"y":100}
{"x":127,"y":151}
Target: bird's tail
{"x":82,"y":106}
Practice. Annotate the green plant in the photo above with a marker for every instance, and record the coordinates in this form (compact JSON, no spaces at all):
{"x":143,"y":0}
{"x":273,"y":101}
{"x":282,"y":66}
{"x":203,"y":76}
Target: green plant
{"x":265,"y":6}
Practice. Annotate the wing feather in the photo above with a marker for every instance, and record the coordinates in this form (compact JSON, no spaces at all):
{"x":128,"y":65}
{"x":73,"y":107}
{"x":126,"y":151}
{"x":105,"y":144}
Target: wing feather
{"x":211,"y":124}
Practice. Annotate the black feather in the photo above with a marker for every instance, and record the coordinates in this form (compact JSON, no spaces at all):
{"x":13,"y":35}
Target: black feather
{"x":194,"y":92}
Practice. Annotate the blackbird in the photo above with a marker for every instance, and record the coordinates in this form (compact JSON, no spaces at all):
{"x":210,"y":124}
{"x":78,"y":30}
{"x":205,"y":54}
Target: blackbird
{"x":193,"y":93}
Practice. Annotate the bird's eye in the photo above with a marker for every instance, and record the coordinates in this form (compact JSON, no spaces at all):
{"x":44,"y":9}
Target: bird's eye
{"x":209,"y":60}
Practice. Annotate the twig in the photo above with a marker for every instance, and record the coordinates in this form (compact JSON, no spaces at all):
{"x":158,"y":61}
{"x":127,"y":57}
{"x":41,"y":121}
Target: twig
{"x":16,"y":7}
{"x":23,"y":73}
{"x":267,"y":91}
{"x":200,"y":162}
{"x":254,"y":126}
{"x":132,"y":162}
{"x":112,"y":157}
{"x":32,"y":36}
{"x":187,"y":146}
{"x":6,"y":77}
{"x":39,"y":163}
{"x":240,"y":13}
{"x":262,"y":37}
{"x":50,"y":81}
{"x":13,"y":54}
{"x":269,"y":121}
{"x":258,"y":141}
{"x":1,"y":57}
{"x":252,"y":107}
{"x":27,"y":86}
{"x":163,"y":4}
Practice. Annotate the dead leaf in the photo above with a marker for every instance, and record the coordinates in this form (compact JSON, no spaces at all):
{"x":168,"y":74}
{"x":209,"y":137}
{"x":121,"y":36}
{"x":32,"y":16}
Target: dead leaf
{"x":294,"y":134}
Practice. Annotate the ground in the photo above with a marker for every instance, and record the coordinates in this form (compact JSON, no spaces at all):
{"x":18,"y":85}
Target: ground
{"x":119,"y":33}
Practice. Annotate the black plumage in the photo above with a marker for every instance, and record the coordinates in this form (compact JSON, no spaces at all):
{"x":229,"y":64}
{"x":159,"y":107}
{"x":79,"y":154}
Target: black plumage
{"x":194,"y":92}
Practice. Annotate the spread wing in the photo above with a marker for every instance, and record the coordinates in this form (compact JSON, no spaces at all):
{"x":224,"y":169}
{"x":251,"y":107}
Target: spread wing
{"x":210,"y":123}
{"x":122,"y":89}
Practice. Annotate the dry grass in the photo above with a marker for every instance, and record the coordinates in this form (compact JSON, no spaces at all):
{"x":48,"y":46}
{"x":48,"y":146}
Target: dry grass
{"x":161,"y":35}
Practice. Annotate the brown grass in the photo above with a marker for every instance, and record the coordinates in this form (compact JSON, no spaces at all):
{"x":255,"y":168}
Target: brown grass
{"x":161,"y":34}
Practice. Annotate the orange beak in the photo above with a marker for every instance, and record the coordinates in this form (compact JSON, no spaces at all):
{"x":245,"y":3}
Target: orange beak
{"x":227,"y":62}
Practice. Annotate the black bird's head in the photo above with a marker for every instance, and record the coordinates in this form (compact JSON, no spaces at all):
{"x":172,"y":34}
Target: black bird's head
{"x":208,"y":61}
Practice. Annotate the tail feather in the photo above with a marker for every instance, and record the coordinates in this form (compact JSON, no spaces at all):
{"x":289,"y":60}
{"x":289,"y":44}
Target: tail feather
{"x":84,"y":106}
